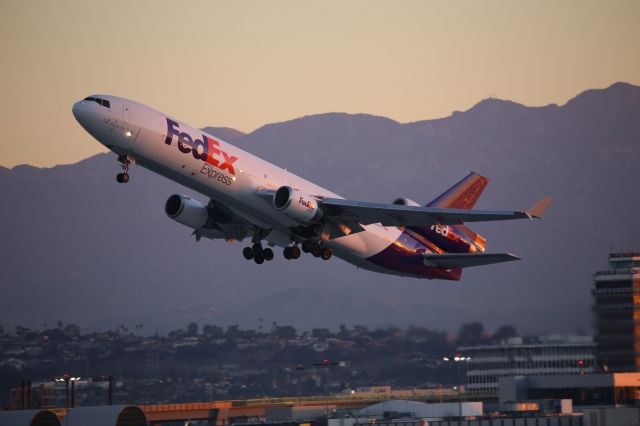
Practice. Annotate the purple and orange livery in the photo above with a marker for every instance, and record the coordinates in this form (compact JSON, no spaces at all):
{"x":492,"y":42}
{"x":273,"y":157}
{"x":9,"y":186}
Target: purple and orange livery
{"x":250,"y":198}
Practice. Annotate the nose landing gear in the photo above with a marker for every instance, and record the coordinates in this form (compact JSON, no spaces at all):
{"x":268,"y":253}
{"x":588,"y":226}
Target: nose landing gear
{"x":124,"y":176}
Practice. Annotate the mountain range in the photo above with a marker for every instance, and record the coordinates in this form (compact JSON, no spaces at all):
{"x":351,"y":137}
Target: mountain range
{"x":78,"y":247}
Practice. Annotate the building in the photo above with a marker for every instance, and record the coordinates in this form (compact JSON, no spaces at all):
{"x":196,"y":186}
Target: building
{"x":605,"y":389}
{"x":617,"y":308}
{"x":539,"y":356}
{"x":414,"y":413}
{"x":417,"y":409}
{"x":29,"y":418}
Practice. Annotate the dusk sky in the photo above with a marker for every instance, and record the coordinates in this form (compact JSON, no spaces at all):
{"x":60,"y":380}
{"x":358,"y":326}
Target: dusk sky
{"x":245,"y":64}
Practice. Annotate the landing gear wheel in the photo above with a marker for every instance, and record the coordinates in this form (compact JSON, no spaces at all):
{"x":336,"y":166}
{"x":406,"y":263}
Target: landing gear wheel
{"x":247,"y":253}
{"x":295,"y":252}
{"x":258,"y":253}
{"x":268,"y":254}
{"x":124,"y":176}
{"x":325,"y":253}
{"x":307,"y":245}
{"x":287,"y":253}
{"x":316,"y":250}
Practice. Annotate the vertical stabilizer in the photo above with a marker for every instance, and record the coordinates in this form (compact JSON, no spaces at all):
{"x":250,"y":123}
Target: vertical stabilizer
{"x":462,"y":195}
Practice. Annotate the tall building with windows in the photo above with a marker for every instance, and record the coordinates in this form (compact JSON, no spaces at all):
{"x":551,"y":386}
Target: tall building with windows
{"x":532,"y":356}
{"x":617,"y":309}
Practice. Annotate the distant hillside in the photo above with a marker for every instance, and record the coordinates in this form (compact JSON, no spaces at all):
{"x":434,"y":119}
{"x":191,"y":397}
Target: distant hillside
{"x":226,"y":133}
{"x":77,"y":246}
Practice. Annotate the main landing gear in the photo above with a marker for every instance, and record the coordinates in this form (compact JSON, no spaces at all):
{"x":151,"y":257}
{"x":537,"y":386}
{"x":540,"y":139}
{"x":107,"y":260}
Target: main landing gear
{"x":292,"y":252}
{"x":308,"y":246}
{"x":260,"y":255}
{"x":124,"y":176}
{"x":316,"y":249}
{"x":257,"y":253}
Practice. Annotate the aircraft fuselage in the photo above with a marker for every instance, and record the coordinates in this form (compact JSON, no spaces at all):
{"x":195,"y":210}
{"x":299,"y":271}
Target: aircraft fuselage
{"x":234,"y":178}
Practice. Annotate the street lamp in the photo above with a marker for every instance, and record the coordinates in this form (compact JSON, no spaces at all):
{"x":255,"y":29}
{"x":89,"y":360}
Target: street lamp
{"x":109,"y":380}
{"x":25,"y":394}
{"x":69,"y":397}
{"x":457,"y":359}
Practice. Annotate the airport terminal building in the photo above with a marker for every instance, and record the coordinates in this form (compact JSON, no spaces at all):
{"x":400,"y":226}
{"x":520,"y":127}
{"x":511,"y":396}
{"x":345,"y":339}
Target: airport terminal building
{"x":540,"y":356}
{"x":617,"y":308}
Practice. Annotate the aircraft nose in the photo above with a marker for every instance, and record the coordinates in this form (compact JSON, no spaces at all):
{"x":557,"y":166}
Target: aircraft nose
{"x":86,"y":116}
{"x":77,"y":111}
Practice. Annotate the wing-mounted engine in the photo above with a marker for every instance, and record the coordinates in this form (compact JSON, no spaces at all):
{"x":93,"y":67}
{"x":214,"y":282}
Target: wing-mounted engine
{"x":204,"y":220}
{"x":402,"y":201}
{"x":297,"y":205}
{"x":187,"y":211}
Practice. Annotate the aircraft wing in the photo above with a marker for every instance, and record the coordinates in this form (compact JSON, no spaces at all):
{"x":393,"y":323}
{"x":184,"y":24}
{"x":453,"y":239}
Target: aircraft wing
{"x":398,"y":215}
{"x":466,"y":260}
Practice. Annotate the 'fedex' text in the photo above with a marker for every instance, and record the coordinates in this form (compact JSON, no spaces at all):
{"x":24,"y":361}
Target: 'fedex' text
{"x":206,"y":149}
{"x":307,"y":204}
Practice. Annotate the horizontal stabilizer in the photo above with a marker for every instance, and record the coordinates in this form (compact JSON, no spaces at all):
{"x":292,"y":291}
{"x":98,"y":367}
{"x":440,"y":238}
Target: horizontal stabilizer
{"x":466,"y":260}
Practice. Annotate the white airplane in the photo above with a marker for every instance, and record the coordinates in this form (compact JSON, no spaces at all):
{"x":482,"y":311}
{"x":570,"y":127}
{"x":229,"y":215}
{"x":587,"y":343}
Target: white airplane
{"x":252,"y":198}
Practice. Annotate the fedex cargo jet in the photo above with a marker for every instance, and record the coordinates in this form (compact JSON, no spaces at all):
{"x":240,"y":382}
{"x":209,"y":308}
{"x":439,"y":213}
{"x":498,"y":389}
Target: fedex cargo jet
{"x":249,"y":198}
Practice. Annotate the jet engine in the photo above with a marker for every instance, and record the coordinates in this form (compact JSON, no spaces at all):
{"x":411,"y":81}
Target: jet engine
{"x":187,"y":211}
{"x":297,"y":205}
{"x":402,"y":201}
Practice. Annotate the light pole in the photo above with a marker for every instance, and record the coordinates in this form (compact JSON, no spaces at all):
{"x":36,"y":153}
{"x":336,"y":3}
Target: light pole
{"x":109,"y":380}
{"x":458,"y":359}
{"x":69,"y":397}
{"x":25,"y":396}
{"x":300,"y":370}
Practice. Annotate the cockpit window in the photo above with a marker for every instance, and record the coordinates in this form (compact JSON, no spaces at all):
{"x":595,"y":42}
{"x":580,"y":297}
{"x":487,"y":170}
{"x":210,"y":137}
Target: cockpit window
{"x":103,"y":102}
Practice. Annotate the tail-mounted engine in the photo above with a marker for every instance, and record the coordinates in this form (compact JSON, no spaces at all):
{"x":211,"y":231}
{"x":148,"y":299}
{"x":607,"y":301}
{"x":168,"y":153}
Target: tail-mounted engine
{"x":297,"y":205}
{"x":402,"y":201}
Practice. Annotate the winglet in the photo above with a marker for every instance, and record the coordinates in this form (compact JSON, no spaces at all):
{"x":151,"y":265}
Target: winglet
{"x":538,"y":209}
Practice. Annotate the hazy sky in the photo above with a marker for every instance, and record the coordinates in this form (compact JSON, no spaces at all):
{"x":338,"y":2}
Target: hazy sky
{"x":245,"y":64}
